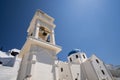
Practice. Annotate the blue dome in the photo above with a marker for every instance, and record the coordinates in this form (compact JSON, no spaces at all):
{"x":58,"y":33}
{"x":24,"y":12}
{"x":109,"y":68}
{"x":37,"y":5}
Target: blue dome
{"x":74,"y":51}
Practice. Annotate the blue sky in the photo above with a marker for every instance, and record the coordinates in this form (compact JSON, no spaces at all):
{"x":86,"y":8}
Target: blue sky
{"x":91,"y":25}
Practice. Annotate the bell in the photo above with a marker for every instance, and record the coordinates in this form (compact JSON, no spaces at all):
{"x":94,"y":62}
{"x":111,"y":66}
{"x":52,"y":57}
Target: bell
{"x":44,"y":34}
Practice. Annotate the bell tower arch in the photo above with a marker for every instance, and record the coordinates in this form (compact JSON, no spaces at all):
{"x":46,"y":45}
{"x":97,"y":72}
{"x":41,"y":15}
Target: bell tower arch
{"x":42,"y":27}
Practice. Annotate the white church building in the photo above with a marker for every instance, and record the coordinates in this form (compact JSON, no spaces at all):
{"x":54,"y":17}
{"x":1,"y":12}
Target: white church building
{"x":37,"y":59}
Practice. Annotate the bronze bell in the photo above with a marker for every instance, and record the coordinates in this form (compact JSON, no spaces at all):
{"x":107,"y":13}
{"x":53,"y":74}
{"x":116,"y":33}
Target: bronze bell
{"x":44,"y":34}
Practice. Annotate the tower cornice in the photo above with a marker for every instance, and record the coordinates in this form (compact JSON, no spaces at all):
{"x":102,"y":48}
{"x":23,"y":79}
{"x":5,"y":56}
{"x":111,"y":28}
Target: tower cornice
{"x":43,"y":17}
{"x":32,"y":41}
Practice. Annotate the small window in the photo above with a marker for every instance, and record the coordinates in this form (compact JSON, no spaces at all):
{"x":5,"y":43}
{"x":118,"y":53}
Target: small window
{"x":70,"y":59}
{"x":76,"y":56}
{"x":61,"y":69}
{"x":103,"y":72}
{"x":97,"y":61}
{"x":0,"y":62}
{"x":83,"y":56}
{"x":76,"y":79}
{"x":31,"y":34}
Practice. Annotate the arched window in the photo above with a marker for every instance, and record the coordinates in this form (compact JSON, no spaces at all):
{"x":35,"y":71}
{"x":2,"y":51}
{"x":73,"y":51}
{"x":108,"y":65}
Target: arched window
{"x":70,"y":59}
{"x":103,"y":72}
{"x":76,"y":56}
{"x":97,"y":61}
{"x":83,"y":56}
{"x":61,"y":69}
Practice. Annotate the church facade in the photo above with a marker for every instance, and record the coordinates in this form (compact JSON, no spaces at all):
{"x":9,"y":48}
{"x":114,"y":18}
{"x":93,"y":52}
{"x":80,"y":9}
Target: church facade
{"x":39,"y":60}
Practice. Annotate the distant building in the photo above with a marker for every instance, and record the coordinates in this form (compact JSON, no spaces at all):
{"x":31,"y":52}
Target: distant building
{"x":37,"y":59}
{"x":79,"y":67}
{"x":9,"y":65}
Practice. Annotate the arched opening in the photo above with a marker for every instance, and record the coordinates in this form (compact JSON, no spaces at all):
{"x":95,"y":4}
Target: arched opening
{"x":44,"y":34}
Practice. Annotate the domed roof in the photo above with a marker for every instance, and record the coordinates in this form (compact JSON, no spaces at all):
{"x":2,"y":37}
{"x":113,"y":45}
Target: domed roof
{"x":74,"y":51}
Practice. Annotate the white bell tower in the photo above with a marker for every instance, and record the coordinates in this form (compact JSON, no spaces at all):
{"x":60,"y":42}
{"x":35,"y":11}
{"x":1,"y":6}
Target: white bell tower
{"x":39,"y":51}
